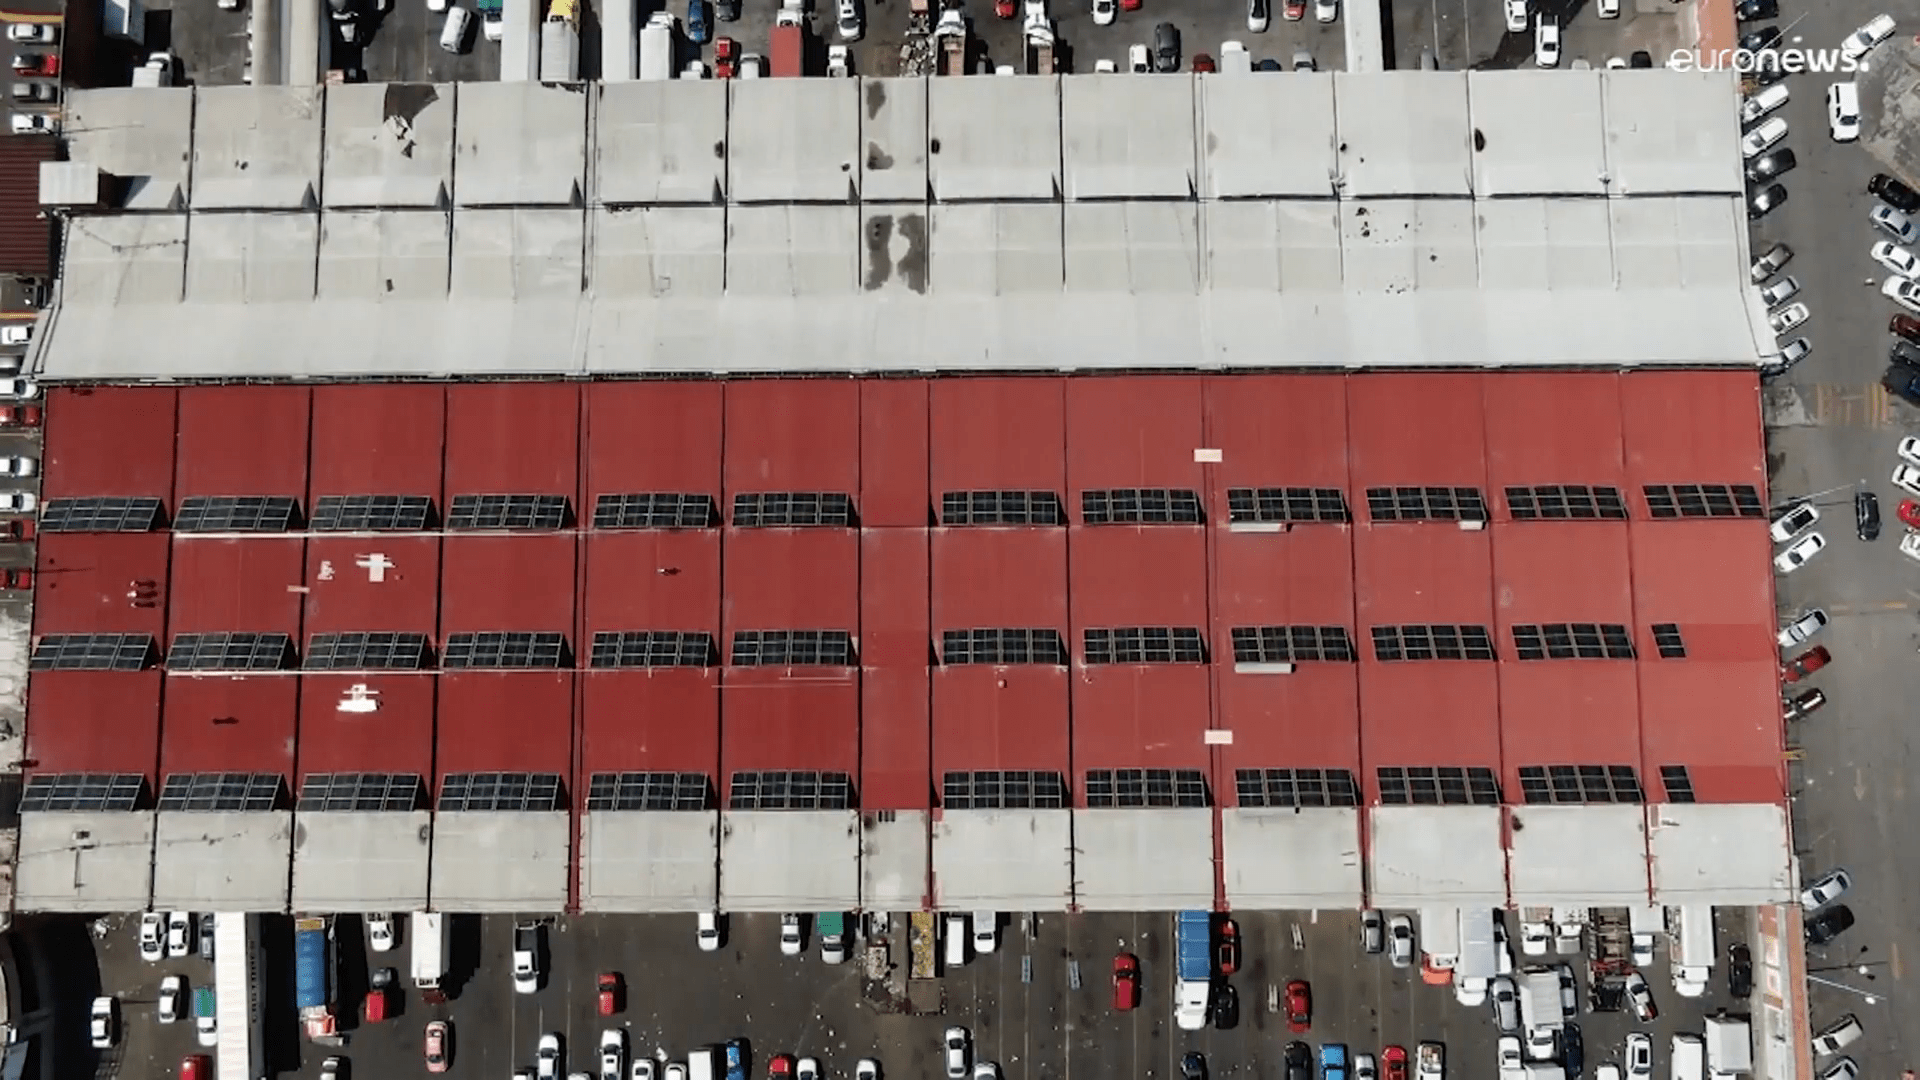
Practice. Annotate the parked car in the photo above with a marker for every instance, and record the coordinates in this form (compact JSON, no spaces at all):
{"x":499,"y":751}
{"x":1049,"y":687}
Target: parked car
{"x":1640,"y":998}
{"x":1193,"y":1066}
{"x":1902,"y":383}
{"x":1893,"y":223}
{"x":850,"y":24}
{"x":1202,"y":63}
{"x":1781,"y":291}
{"x":1828,"y":924}
{"x":1903,"y":292}
{"x":1166,"y":48}
{"x":1517,"y":16}
{"x":1641,"y":59}
{"x":438,"y":1046}
{"x":790,"y":941}
{"x":173,"y":991}
{"x":1760,"y":40}
{"x":153,"y":930}
{"x":546,"y":1057}
{"x":1866,"y":516}
{"x":1227,"y":947}
{"x":1905,"y":326}
{"x":1766,"y":202}
{"x":1770,"y":165}
{"x":1801,"y":553}
{"x":1763,"y":137}
{"x":1863,"y":41}
{"x":380,"y":932}
{"x":22,"y":33}
{"x":34,"y":91}
{"x":1126,"y":982}
{"x":1257,"y":16}
{"x":699,"y":21}
{"x":1796,"y":519}
{"x":1373,"y":931}
{"x":1326,"y":11}
{"x":958,"y":1056}
{"x":1400,"y":941}
{"x":1805,"y":705}
{"x":1801,"y":629}
{"x":1506,"y":1005}
{"x":103,"y":1023}
{"x":179,"y":933}
{"x":1739,"y":971}
{"x":1770,"y":263}
{"x":1837,"y":1036}
{"x":1293,"y":10}
{"x":1546,"y":42}
{"x":1788,"y":319}
{"x":1907,"y":479}
{"x":1894,"y":193}
{"x":1756,"y":10}
{"x":1805,"y":664}
{"x":1226,"y":1007}
{"x":1299,"y":1006}
{"x":1843,"y":111}
{"x":608,"y":992}
{"x":1829,"y":887}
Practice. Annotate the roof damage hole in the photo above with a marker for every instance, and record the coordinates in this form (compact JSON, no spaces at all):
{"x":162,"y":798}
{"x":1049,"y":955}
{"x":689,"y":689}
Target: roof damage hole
{"x":878,"y":160}
{"x":405,"y":101}
{"x":879,"y":263}
{"x":1479,"y":140}
{"x":720,"y":149}
{"x":913,"y":265}
{"x":876,"y":97}
{"x":933,"y":146}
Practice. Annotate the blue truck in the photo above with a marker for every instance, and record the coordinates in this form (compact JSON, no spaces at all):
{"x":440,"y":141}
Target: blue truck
{"x":736,"y":1059}
{"x":1193,"y":968}
{"x":310,"y":990}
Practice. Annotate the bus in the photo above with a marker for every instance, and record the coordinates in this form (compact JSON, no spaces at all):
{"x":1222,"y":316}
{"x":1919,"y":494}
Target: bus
{"x":239,"y":962}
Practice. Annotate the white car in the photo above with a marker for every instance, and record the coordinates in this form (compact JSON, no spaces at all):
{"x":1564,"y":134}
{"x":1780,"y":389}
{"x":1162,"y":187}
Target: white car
{"x":1639,"y":1056}
{"x":1798,"y":519}
{"x":33,"y":33}
{"x":437,"y":6}
{"x":33,"y":124}
{"x":866,"y":1069}
{"x":986,"y":932}
{"x":1837,"y":1036}
{"x":676,"y":1070}
{"x":380,"y":932}
{"x":1801,"y":629}
{"x":1364,"y":1068}
{"x":1640,"y":998}
{"x":1830,"y":887}
{"x":153,"y":936}
{"x":103,"y":1025}
{"x":1512,"y":1065}
{"x":19,"y":389}
{"x":1470,"y":991}
{"x":1506,"y":1005}
{"x":179,"y":933}
{"x":1802,"y":552}
{"x":18,"y":334}
{"x":1616,"y":63}
{"x":1326,"y":10}
{"x":1781,"y":291}
{"x":643,"y":1069}
{"x":1400,"y":941}
{"x":1842,"y":1069}
{"x":1541,"y":1044}
{"x":1909,"y":448}
{"x":850,"y":26}
{"x":958,"y":1064}
{"x":1862,"y":41}
{"x":1104,"y":12}
{"x":790,"y":935}
{"x":1894,"y":223}
{"x":1903,"y":292}
{"x":1257,"y":15}
{"x":1757,"y":141}
{"x":1535,"y":938}
{"x":206,"y":1030}
{"x":22,"y":502}
{"x":1138,"y":60}
{"x":1787,"y":318}
{"x":172,"y":990}
{"x":1896,"y":259}
{"x":613,"y":1054}
{"x":1517,"y":17}
{"x":709,"y":932}
{"x":1910,"y":545}
{"x":1609,"y":9}
{"x":1105,"y":67}
{"x":1843,"y":111}
{"x":546,"y":1057}
{"x":1546,"y":43}
{"x":807,"y":1069}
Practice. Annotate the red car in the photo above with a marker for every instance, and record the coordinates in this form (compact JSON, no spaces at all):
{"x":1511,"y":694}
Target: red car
{"x":19,"y":416}
{"x":1805,"y":664}
{"x":780,"y":1065}
{"x":439,"y":1048}
{"x":1299,"y":1006}
{"x":16,"y":531}
{"x":16,"y":580}
{"x":1905,"y":325}
{"x":1129,"y":5}
{"x":1227,"y":952}
{"x":1126,"y":982}
{"x":374,"y":1009}
{"x":1909,"y":513}
{"x":196,"y":1067}
{"x":726,"y":58}
{"x":1003,"y":8}
{"x":46,"y":65}
{"x":1395,"y":1059}
{"x":609,"y":993}
{"x":1294,"y":10}
{"x":1202,"y":62}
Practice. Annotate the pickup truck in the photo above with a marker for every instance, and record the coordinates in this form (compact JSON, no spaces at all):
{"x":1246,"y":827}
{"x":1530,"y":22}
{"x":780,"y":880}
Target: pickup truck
{"x":526,"y":957}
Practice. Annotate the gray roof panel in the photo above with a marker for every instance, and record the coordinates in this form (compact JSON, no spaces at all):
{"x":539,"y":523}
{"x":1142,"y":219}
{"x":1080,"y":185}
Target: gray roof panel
{"x":517,"y":255}
{"x":223,"y":861}
{"x":649,"y":862}
{"x":1268,"y":137}
{"x":253,"y":258}
{"x":894,"y":855}
{"x":893,"y":160}
{"x":126,"y":260}
{"x":84,"y":862}
{"x":1563,"y":244}
{"x":1133,"y":247}
{"x":1003,"y":860}
{"x":997,"y":249}
{"x":1720,"y":853}
{"x":388,"y":144}
{"x":1537,"y":133}
{"x":1157,"y":859}
{"x":660,"y":142}
{"x":373,"y":257}
{"x":473,"y":851}
{"x":994,"y":139}
{"x":793,"y":250}
{"x":256,"y":147}
{"x":1403,"y":133}
{"x":667,"y":252}
{"x":1287,"y":858}
{"x":1128,"y":138}
{"x":794,"y":140}
{"x":790,"y":860}
{"x":1427,"y":856}
{"x":361,"y":861}
{"x":520,"y":144}
{"x":1673,"y":132}
{"x":142,"y":134}
{"x":1584,"y":856}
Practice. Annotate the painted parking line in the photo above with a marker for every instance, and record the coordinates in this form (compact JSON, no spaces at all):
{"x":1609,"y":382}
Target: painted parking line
{"x":1853,"y":406}
{"x":1869,"y":609}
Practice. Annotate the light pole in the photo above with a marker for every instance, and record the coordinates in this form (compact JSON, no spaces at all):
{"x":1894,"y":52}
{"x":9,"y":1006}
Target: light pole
{"x":1818,"y":494}
{"x":1871,"y":998}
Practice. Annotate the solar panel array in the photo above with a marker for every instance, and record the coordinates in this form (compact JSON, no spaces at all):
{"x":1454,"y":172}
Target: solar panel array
{"x":1146,"y":788}
{"x":1291,"y":644}
{"x":792,"y":648}
{"x":784,"y":789}
{"x":511,"y":792}
{"x":1001,"y":508}
{"x":1580,"y":784}
{"x":367,"y":650}
{"x":1438,"y":785}
{"x":1003,"y":789}
{"x":1145,"y":645}
{"x":1288,"y":504}
{"x":649,"y":791}
{"x":1295,"y":787}
{"x":1566,"y":502}
{"x":1426,"y":504}
{"x":1003,"y":645}
{"x":785,"y":509}
{"x":100,"y":514}
{"x":507,"y":512}
{"x":1432,"y":641}
{"x":655,"y":510}
{"x":371,"y":513}
{"x":1140,"y":506}
{"x":83,"y":792}
{"x":504,"y":649}
{"x":358,"y":792}
{"x":1678,"y":783}
{"x":1704,"y":500}
{"x":221,"y":792}
{"x":652,"y":649}
{"x":236,"y":513}
{"x":229,"y":652}
{"x":92,"y":652}
{"x":1572,"y":641}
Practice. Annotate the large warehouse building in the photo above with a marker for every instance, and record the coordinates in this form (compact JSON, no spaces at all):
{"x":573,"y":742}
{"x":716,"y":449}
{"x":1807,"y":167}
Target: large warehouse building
{"x":997,"y":631}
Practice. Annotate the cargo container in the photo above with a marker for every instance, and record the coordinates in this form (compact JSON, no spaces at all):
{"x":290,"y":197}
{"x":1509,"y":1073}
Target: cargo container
{"x":312,"y":994}
{"x":656,"y":48}
{"x":519,"y":40}
{"x":1039,"y":46}
{"x":619,"y":45}
{"x":787,"y":49}
{"x":124,"y":19}
{"x":952,"y":33}
{"x":559,"y":51}
{"x":427,"y":938}
{"x":1193,"y":968}
{"x":831,"y":926}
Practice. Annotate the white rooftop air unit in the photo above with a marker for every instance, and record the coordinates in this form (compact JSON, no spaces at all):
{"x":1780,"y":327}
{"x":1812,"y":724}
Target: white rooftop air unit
{"x":359,"y":699}
{"x":1472,"y":524}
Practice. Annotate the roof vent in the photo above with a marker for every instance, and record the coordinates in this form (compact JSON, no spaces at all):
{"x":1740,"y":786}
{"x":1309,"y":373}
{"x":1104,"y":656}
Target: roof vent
{"x":1281,"y":668}
{"x":1472,"y":524}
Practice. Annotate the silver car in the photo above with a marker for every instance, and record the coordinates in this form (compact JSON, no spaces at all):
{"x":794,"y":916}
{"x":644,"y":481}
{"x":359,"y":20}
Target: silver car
{"x":1506,"y":1005}
{"x":1400,"y":941}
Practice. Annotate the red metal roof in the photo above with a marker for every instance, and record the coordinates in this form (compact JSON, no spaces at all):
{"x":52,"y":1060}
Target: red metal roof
{"x":1429,"y":572}
{"x":895,"y":629}
{"x":342,"y":594}
{"x":505,"y":721}
{"x":1258,"y":421}
{"x":1309,"y":719}
{"x":82,"y":722}
{"x":1127,"y":716}
{"x":26,"y":235}
{"x":513,"y":438}
{"x":508,"y":583}
{"x":791,"y":435}
{"x":377,"y":439}
{"x":1415,"y":429}
{"x":1000,"y":718}
{"x":1580,"y":712}
{"x":627,"y":589}
{"x":219,"y":723}
{"x":1686,"y":427}
{"x":665,"y":720}
{"x":1547,"y":428}
{"x":223,"y":584}
{"x":1558,"y":571}
{"x":653,"y":437}
{"x":86,"y":581}
{"x":396,"y":737}
{"x":109,"y":440}
{"x":1139,"y":432}
{"x":894,"y":451}
{"x":1699,"y":574}
{"x":244,"y":440}
{"x":998,"y":434}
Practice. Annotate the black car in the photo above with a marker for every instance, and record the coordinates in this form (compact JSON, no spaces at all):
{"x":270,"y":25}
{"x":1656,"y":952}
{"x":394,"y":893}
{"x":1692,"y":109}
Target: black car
{"x":1755,"y":10}
{"x":1299,"y":1061}
{"x":1767,"y":166}
{"x":1829,"y":924}
{"x":1903,"y":383}
{"x":1193,"y":1065}
{"x":1641,"y":58}
{"x":727,"y":10}
{"x":1226,"y":1007}
{"x":1166,"y":48}
{"x":1572,"y":1050}
{"x":1905,"y":354}
{"x":1760,"y":40}
{"x":1768,"y":74}
{"x":1765,"y":202}
{"x":1739,"y":970}
{"x":1866,"y":521}
{"x":1894,"y":193}
{"x":1269,"y":64}
{"x":1805,"y":705}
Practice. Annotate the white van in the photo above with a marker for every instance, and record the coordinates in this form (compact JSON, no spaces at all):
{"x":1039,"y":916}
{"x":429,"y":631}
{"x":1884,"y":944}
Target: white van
{"x":1689,"y":1057}
{"x":956,"y":939}
{"x":453,"y":36}
{"x":1762,"y":103}
{"x":700,"y":1063}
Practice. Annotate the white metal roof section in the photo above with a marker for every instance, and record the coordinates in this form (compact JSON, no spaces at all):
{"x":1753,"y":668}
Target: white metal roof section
{"x":1537,"y":133}
{"x":789,"y":860}
{"x":1400,"y":246}
{"x":1143,"y":860}
{"x":793,"y":250}
{"x":893,"y":162}
{"x":1403,"y":133}
{"x":1133,"y":247}
{"x":253,"y":258}
{"x":1267,"y":137}
{"x":997,"y":249}
{"x":1003,"y":860}
{"x":1691,"y":243}
{"x":649,"y":862}
{"x":142,"y":135}
{"x":658,"y":251}
{"x":894,"y":853}
{"x":520,"y":144}
{"x":994,"y":139}
{"x":388,"y":144}
{"x":488,"y":861}
{"x":226,"y":861}
{"x":373,"y":257}
{"x":1673,"y":132}
{"x":84,"y":862}
{"x":1282,"y":859}
{"x":794,"y":140}
{"x":361,"y":861}
{"x":1427,"y":856}
{"x":660,"y":142}
{"x":256,"y":147}
{"x":510,"y":255}
{"x":125,"y":260}
{"x":1557,"y":244}
{"x":1724,"y":854}
{"x":894,"y":241}
{"x":1578,"y":856}
{"x":1273,"y":245}
{"x":1128,"y":138}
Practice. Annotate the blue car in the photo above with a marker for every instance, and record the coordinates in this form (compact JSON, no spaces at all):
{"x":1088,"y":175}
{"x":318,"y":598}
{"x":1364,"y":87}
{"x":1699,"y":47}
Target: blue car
{"x":1333,"y":1061}
{"x":699,"y":21}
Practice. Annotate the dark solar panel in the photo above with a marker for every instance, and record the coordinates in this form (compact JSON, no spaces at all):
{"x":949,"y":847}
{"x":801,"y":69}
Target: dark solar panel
{"x":1295,"y":787}
{"x":235,"y":513}
{"x":507,"y":512}
{"x":221,"y":792}
{"x":1003,"y":645}
{"x":792,"y":648}
{"x":1566,"y":502}
{"x":504,"y":649}
{"x":100,"y":514}
{"x":655,"y":510}
{"x":1704,"y":501}
{"x":229,"y":652}
{"x":371,"y":513}
{"x":1572,"y":641}
{"x":1145,"y":645}
{"x":366,"y":650}
{"x":783,"y":509}
{"x":1291,"y":644}
{"x":1666,"y":637}
{"x":1292,"y":504}
{"x":997,"y":789}
{"x":1140,"y":506}
{"x":92,"y":652}
{"x":1580,"y":784}
{"x":1426,"y":504}
{"x":1679,"y":785}
{"x":513,"y":792}
{"x":782,"y":789}
{"x":1442,"y":785}
{"x":1432,"y":641}
{"x":83,"y":792}
{"x":1110,"y":788}
{"x":652,"y":649}
{"x":355,"y":792}
{"x":649,"y":791}
{"x":1001,"y":508}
